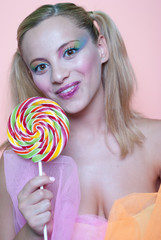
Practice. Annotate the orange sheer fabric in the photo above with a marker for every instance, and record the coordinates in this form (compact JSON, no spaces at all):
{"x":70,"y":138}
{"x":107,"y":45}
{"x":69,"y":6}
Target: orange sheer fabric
{"x":136,"y":217}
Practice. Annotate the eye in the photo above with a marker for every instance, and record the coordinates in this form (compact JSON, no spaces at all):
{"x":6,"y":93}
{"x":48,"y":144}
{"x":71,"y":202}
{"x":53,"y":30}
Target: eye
{"x":70,"y":52}
{"x":40,"y":68}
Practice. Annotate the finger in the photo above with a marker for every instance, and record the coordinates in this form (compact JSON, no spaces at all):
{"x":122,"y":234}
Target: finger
{"x":39,"y":195}
{"x":34,"y":184}
{"x":41,"y":207}
{"x":39,"y":221}
{"x":30,"y":211}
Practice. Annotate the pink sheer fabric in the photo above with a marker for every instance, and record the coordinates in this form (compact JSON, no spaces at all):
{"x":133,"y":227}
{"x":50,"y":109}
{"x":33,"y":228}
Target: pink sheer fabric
{"x":136,"y":216}
{"x":89,"y":227}
{"x":66,"y":190}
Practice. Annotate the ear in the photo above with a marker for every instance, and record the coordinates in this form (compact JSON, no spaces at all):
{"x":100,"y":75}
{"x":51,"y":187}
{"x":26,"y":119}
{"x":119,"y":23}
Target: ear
{"x":103,"y":49}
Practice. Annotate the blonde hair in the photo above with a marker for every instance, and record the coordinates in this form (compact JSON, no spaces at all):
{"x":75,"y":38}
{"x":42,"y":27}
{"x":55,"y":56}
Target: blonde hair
{"x":117,"y":74}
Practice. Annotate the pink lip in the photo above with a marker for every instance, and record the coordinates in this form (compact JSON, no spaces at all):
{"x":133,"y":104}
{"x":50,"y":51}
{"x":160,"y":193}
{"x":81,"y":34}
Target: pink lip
{"x":69,"y":94}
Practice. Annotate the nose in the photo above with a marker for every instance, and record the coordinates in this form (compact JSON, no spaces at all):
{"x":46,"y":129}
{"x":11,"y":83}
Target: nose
{"x":60,"y":72}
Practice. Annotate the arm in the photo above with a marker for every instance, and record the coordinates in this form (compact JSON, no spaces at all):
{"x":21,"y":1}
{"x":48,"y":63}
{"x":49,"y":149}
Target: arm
{"x":34,"y":204}
{"x":6,"y":211}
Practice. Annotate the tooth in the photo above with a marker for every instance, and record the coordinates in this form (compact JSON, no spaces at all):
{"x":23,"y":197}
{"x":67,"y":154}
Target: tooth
{"x":68,"y":90}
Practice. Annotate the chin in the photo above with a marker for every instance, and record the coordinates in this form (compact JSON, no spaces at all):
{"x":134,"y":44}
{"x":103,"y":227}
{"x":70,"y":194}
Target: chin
{"x":74,"y":111}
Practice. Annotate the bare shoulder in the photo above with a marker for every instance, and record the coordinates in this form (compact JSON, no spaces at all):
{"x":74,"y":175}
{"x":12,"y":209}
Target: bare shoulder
{"x":148,"y":123}
{"x":151,"y":129}
{"x":6,"y":211}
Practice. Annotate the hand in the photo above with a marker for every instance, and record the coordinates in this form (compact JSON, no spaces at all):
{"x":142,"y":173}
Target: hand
{"x":35,"y":204}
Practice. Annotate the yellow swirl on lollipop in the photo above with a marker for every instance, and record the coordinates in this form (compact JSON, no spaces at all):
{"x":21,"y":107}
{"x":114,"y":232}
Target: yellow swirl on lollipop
{"x":38,"y":129}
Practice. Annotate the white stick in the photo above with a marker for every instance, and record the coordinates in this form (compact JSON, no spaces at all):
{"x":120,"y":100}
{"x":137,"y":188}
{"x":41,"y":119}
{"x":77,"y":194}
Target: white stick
{"x":40,"y":174}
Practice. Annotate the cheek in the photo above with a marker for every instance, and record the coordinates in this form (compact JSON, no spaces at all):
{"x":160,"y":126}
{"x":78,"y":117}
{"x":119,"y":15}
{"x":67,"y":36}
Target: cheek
{"x":41,"y":84}
{"x":89,"y":64}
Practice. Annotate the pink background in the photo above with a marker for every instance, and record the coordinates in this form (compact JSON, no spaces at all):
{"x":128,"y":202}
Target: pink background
{"x":139,"y":22}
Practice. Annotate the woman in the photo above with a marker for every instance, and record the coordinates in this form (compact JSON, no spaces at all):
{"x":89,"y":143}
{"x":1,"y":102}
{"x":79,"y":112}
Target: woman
{"x":79,"y":60}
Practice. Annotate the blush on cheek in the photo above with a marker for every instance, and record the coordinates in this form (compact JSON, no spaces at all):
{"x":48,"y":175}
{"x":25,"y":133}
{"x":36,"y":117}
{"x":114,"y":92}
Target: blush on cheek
{"x":88,"y":63}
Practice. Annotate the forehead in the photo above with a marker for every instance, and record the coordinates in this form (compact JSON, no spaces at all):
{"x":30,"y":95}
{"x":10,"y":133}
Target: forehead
{"x":56,"y":29}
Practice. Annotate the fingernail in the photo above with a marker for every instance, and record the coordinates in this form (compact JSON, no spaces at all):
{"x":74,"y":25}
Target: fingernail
{"x":52,"y":179}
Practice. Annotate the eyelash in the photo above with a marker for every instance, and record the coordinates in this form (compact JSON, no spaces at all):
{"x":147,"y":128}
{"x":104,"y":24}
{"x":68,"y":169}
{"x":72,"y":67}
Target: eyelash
{"x":70,"y":49}
{"x":35,"y":69}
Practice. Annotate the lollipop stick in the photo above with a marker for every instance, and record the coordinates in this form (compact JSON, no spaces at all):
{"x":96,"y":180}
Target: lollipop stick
{"x":40,"y":174}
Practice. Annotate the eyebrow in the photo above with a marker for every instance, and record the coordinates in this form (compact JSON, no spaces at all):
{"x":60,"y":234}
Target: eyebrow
{"x":83,"y":40}
{"x":36,"y":59}
{"x":62,"y":46}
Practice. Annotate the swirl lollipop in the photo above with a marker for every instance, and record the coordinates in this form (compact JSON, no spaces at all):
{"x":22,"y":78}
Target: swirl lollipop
{"x":38,"y":129}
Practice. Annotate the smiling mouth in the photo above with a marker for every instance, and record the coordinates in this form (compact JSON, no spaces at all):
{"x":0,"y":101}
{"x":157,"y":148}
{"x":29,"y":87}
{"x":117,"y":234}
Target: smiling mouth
{"x":69,"y":90}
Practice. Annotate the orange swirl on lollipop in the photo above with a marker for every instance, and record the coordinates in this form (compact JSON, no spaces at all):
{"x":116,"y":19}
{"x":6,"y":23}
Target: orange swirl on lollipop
{"x":38,"y":129}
